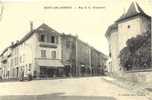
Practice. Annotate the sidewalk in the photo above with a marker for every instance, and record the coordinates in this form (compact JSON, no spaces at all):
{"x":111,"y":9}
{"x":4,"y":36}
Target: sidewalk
{"x":139,"y":89}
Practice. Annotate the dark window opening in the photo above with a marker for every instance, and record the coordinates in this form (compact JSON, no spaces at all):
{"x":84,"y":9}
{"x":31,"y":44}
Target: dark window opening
{"x":30,"y":67}
{"x":42,"y":38}
{"x":110,"y":54}
{"x":52,"y":39}
{"x":17,"y":71}
{"x":128,"y":26}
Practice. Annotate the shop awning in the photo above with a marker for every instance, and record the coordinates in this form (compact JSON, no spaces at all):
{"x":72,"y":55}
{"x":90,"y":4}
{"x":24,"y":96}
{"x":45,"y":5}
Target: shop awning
{"x":49,"y":63}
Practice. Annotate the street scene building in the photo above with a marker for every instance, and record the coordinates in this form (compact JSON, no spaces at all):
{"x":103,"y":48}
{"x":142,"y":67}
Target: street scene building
{"x":132,"y":23}
{"x":46,"y":64}
{"x":44,"y":52}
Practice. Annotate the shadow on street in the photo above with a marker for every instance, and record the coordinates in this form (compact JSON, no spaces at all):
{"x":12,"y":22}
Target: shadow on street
{"x":54,"y":96}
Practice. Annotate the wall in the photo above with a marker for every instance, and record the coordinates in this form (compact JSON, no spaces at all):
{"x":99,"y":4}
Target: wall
{"x":83,"y":56}
{"x":114,"y":49}
{"x":0,"y":67}
{"x":69,"y":51}
{"x":9,"y":62}
{"x":95,"y":62}
{"x":21,"y":55}
{"x":103,"y":61}
{"x":49,"y":47}
{"x":145,"y":24}
{"x":27,"y":51}
{"x":138,"y":76}
{"x":126,"y":33}
{"x":138,"y":25}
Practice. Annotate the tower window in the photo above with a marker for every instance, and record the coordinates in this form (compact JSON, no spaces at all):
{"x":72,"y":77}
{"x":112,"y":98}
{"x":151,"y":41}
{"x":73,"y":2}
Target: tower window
{"x":128,"y":26}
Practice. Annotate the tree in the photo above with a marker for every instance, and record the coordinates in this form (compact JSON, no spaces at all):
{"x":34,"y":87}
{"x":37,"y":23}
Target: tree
{"x":137,"y":53}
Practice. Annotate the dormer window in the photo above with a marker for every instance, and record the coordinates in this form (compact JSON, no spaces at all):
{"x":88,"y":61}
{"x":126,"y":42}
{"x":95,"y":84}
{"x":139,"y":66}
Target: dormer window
{"x":41,"y":29}
{"x":42,"y":37}
{"x":52,"y":39}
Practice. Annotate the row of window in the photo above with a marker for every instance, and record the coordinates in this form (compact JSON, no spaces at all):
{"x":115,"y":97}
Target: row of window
{"x":17,"y":49}
{"x":44,"y":54}
{"x":49,"y":39}
{"x":69,"y":44}
{"x":16,"y":60}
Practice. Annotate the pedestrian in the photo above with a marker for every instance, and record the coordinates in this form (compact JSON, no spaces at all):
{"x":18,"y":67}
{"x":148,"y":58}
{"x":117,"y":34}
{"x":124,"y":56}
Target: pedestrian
{"x":29,"y":75}
{"x":21,"y":78}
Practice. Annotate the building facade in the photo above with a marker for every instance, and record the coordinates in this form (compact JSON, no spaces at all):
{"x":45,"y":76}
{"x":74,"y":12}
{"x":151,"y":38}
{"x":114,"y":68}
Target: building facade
{"x":135,"y":21}
{"x":0,"y":69}
{"x":45,"y":52}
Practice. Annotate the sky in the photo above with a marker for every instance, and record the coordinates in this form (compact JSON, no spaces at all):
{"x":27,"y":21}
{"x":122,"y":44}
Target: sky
{"x":89,"y":25}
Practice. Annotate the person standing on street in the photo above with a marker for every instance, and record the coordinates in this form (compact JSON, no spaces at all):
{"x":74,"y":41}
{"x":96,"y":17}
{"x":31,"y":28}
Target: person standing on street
{"x":21,"y":78}
{"x":29,"y":75}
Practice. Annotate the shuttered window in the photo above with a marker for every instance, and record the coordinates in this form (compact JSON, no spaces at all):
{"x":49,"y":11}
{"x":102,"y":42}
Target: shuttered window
{"x":43,"y":53}
{"x":53,"y":54}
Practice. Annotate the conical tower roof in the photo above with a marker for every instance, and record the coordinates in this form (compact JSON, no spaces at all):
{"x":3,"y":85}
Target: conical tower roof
{"x":133,"y":10}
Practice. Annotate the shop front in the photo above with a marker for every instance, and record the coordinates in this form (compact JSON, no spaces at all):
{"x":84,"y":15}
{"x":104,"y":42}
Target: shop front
{"x":50,"y":68}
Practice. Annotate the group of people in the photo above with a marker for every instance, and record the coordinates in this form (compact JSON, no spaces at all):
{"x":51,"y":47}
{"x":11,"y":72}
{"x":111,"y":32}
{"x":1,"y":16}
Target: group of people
{"x":24,"y":76}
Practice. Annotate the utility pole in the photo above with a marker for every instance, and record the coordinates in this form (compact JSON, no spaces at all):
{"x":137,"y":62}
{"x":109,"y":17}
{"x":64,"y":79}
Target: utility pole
{"x":76,"y":57}
{"x":151,"y":42}
{"x":90,"y":61}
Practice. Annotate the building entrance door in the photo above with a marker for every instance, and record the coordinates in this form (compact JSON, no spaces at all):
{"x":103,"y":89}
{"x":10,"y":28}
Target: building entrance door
{"x":67,"y":70}
{"x":17,"y":72}
{"x":47,"y":72}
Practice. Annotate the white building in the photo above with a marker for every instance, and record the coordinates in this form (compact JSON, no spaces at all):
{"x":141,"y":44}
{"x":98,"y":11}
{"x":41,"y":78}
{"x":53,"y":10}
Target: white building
{"x":135,"y":21}
{"x":47,"y":53}
{"x":31,"y":52}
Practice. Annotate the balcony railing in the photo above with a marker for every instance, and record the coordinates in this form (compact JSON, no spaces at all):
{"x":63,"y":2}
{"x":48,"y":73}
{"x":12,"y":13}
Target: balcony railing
{"x":46,"y":44}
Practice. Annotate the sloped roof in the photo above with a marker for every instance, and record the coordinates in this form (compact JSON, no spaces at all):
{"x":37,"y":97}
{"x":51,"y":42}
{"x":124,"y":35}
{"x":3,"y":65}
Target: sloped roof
{"x":42,"y":27}
{"x":133,"y":10}
{"x":110,"y":28}
{"x":46,"y":28}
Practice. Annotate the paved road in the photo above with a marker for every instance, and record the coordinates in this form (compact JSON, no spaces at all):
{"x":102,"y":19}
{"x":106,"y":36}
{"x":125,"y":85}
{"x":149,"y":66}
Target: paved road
{"x":95,"y":88}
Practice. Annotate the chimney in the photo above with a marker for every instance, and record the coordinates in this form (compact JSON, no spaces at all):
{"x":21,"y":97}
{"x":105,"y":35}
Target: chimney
{"x":12,"y":43}
{"x":17,"y":41}
{"x":31,"y":26}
